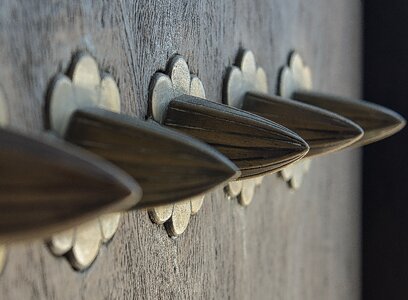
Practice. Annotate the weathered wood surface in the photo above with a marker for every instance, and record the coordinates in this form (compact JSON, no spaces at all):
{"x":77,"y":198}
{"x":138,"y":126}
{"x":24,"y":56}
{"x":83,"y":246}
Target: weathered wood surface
{"x":285,"y":245}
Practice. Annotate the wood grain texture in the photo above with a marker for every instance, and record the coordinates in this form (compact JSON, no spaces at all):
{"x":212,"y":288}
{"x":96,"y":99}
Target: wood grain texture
{"x":256,"y":145}
{"x":169,"y":166}
{"x":285,"y":245}
{"x":48,"y":186}
{"x":324,"y":131}
{"x":377,"y":121}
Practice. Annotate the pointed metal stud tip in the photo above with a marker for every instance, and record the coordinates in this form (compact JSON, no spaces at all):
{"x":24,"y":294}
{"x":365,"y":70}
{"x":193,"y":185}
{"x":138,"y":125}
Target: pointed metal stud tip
{"x":324,"y":131}
{"x":246,"y":87}
{"x":377,"y":121}
{"x":256,"y":145}
{"x":48,"y":186}
{"x":168,"y":165}
{"x":84,"y":109}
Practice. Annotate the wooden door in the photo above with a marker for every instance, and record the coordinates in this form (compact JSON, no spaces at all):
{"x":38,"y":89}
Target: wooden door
{"x":287,"y":244}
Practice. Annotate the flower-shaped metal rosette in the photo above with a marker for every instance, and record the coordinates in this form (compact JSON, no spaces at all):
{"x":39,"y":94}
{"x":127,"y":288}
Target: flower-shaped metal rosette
{"x":176,"y":217}
{"x":179,"y":82}
{"x":244,"y":77}
{"x":84,"y":86}
{"x":81,"y":244}
{"x":243,"y":190}
{"x":294,"y":76}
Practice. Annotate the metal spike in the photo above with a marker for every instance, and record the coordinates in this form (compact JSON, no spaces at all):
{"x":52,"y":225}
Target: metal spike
{"x":48,"y":186}
{"x":168,"y":165}
{"x":323,"y":130}
{"x":377,"y":121}
{"x":255,"y":144}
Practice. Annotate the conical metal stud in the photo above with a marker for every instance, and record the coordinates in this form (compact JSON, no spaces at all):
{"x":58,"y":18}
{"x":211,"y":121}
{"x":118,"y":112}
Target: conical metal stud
{"x":169,"y":165}
{"x":48,"y":186}
{"x":377,"y":121}
{"x":84,"y":109}
{"x":256,"y":145}
{"x":324,"y":131}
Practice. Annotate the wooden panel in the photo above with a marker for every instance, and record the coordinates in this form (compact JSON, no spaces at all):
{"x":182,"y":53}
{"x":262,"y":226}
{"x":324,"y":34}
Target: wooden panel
{"x":285,"y":245}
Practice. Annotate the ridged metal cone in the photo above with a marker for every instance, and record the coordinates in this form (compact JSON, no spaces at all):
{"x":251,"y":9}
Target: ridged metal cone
{"x":324,"y":131}
{"x":168,"y":165}
{"x":256,"y":145}
{"x":377,"y":121}
{"x":47,"y":186}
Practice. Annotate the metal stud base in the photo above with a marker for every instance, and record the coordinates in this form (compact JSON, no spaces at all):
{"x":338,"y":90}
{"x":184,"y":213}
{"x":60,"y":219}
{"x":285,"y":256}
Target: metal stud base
{"x":85,"y":87}
{"x":295,"y":76}
{"x":164,"y":88}
{"x":241,"y":79}
{"x":243,"y":190}
{"x":248,"y":77}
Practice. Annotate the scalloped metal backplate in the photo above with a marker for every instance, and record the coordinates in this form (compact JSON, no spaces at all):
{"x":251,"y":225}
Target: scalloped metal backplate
{"x":178,"y":81}
{"x":244,"y":77}
{"x":295,"y":76}
{"x":85,"y":86}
